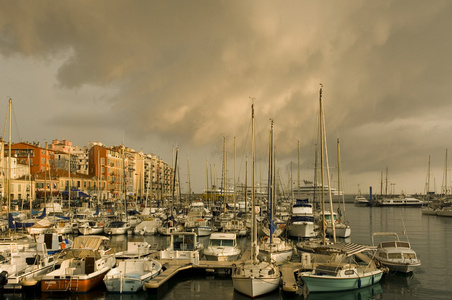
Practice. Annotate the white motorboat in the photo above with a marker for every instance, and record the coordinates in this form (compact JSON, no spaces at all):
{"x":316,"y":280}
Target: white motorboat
{"x":397,"y":255}
{"x":222,"y":247}
{"x":182,"y":246}
{"x":131,"y":274}
{"x":302,"y":223}
{"x":148,"y":226}
{"x":90,"y":227}
{"x":83,"y":267}
{"x":361,"y":201}
{"x":55,"y":242}
{"x":235,"y":226}
{"x":23,"y":264}
{"x":117,"y":228}
{"x":135,"y":250}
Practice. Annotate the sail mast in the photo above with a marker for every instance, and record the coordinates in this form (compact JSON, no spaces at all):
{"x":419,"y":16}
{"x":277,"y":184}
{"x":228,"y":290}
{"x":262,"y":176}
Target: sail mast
{"x":253,"y":211}
{"x":9,"y":162}
{"x":321,"y":166}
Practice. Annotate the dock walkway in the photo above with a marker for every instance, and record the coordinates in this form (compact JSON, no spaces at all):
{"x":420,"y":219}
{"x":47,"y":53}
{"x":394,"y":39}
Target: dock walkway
{"x":173,"y":266}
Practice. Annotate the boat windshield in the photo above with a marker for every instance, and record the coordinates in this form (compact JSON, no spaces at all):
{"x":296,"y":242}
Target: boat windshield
{"x":225,"y":243}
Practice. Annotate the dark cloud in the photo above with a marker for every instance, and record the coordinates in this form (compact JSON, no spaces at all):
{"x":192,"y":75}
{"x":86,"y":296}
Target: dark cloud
{"x":182,"y":72}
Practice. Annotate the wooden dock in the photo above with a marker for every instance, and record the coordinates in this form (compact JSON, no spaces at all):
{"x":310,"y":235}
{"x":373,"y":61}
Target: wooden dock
{"x":289,"y":281}
{"x":168,"y":273}
{"x":173,"y":266}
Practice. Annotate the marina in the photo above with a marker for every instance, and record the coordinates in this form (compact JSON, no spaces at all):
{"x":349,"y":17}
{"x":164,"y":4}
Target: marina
{"x":431,"y":237}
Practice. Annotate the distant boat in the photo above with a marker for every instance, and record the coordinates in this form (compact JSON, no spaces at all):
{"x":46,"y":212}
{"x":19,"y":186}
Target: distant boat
{"x":361,"y":201}
{"x":400,"y":201}
{"x":117,"y":228}
{"x":148,"y":226}
{"x":90,"y":227}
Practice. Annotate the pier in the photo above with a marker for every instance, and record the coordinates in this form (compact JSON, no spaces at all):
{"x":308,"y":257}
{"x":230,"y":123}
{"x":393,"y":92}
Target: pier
{"x":174,"y":266}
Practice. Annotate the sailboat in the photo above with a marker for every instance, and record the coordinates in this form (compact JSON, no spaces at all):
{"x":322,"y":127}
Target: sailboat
{"x":170,"y":225}
{"x":253,"y":277}
{"x":273,"y":248}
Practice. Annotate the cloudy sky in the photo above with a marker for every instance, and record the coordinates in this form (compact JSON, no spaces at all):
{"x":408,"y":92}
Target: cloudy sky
{"x":158,"y":74}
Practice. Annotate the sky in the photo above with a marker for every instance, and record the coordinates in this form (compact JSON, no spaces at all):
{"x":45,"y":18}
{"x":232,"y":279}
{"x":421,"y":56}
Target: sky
{"x":160,"y":75}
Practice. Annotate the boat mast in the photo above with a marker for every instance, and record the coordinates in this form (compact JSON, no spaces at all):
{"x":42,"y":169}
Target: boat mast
{"x":70,"y":183}
{"x":45,"y":177}
{"x":271,"y":173}
{"x":174,"y":181}
{"x":328,"y":176}
{"x":253,"y":211}
{"x":321,"y":167}
{"x":298,"y":172}
{"x":9,"y":162}
{"x":235,"y":185}
{"x":339,"y":187}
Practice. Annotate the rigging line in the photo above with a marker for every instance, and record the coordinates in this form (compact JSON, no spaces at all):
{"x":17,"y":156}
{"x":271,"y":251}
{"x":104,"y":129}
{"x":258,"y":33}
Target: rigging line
{"x":4,"y":127}
{"x":15,"y":124}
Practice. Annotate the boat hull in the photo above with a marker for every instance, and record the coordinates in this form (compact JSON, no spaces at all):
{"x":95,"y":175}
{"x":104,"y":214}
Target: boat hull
{"x":277,"y":256}
{"x":303,"y":230}
{"x":325,"y":283}
{"x":402,"y":268}
{"x":72,"y":284}
{"x":254,"y":287}
{"x":342,"y":231}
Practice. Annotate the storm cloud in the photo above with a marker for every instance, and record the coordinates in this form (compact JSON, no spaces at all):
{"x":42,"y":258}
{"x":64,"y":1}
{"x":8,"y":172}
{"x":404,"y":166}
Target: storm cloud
{"x":153,"y":73}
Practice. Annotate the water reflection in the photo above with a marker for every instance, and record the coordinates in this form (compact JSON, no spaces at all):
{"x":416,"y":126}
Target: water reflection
{"x":370,"y":292}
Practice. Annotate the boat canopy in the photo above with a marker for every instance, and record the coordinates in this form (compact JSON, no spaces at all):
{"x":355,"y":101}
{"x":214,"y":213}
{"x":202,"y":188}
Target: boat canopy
{"x":89,"y":241}
{"x":347,"y":248}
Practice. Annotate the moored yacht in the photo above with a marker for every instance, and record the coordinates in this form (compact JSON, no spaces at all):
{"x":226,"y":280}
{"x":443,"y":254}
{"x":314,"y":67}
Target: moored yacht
{"x":117,"y":228}
{"x":130,"y":275}
{"x":222,"y":247}
{"x":346,"y":268}
{"x":397,"y":255}
{"x":23,"y":264}
{"x":83,"y":267}
{"x":182,"y":246}
{"x":302,"y":223}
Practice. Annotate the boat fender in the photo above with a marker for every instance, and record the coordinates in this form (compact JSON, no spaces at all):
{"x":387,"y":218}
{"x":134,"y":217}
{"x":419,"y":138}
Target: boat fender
{"x":359,"y":283}
{"x":3,"y":278}
{"x":372,"y":279}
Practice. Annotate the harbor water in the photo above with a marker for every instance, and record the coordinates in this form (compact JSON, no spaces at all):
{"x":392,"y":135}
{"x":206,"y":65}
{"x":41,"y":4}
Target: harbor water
{"x":430,"y":237}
